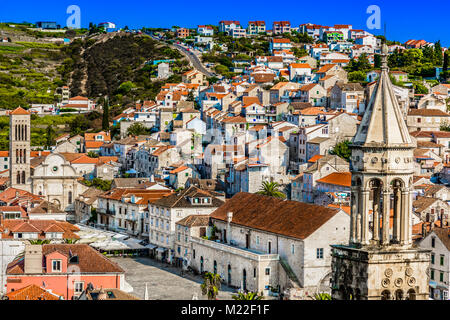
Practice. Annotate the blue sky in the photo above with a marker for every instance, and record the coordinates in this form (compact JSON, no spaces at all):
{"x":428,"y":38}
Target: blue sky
{"x":405,"y":19}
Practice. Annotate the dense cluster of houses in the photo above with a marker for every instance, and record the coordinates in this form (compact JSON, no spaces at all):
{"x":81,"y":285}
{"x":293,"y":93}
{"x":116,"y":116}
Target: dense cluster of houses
{"x":188,"y":187}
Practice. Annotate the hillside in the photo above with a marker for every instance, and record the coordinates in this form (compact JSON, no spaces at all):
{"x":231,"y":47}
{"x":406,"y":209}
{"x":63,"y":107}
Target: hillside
{"x":32,"y":67}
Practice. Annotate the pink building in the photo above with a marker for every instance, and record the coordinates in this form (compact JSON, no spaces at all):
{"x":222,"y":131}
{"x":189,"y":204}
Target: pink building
{"x":65,"y":269}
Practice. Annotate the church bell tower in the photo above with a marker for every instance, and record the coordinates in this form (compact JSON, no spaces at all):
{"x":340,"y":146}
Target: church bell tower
{"x":19,"y":149}
{"x":380,"y":261}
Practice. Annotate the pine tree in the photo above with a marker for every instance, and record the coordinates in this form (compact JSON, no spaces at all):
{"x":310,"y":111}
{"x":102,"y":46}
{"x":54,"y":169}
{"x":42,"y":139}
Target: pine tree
{"x":445,"y":66}
{"x":438,"y":53}
{"x":105,"y":122}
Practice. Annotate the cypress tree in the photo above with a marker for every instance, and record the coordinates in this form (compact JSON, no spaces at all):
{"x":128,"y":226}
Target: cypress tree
{"x":105,"y":122}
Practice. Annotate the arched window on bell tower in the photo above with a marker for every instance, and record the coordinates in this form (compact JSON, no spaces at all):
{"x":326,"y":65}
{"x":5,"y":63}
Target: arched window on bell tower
{"x":18,"y":177}
{"x":23,"y":178}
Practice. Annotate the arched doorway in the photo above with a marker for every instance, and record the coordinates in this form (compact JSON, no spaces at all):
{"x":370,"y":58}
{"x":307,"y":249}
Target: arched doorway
{"x":215,"y":267}
{"x":411,"y":294}
{"x":201,"y":265}
{"x":399,"y":295}
{"x":386,"y":295}
{"x":229,"y":275}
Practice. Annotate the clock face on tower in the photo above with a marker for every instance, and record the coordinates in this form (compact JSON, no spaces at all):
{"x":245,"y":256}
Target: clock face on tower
{"x":55,"y":169}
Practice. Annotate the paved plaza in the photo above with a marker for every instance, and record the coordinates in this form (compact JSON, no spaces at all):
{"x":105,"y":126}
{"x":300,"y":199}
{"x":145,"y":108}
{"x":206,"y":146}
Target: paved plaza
{"x":164,"y":282}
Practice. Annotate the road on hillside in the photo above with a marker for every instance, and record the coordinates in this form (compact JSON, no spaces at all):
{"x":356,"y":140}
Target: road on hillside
{"x":198,"y":65}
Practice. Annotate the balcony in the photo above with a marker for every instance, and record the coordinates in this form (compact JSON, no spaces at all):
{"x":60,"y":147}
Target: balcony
{"x":242,"y":252}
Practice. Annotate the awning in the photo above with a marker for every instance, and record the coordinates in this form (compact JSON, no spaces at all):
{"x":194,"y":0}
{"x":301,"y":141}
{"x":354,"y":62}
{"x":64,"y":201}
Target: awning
{"x":161,"y":249}
{"x":150,"y":246}
{"x":132,"y":171}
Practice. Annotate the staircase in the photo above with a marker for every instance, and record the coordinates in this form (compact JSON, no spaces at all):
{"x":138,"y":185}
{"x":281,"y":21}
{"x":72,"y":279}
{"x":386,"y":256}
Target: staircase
{"x":290,"y":273}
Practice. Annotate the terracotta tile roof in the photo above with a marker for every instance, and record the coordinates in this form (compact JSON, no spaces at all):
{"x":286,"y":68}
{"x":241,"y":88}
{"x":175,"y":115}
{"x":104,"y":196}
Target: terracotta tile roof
{"x":72,"y":156}
{"x":78,"y":98}
{"x":236,"y":119}
{"x":428,"y":113}
{"x":325,"y":68}
{"x":308,"y":87}
{"x":40,"y":227}
{"x":19,"y":112}
{"x":293,"y":219}
{"x":338,"y":178}
{"x":93,"y":144}
{"x":179,"y":169}
{"x":423,"y":203}
{"x":194,"y":221}
{"x":444,"y":235}
{"x":315,"y":158}
{"x":300,"y":66}
{"x":32,"y":292}
{"x":281,"y":41}
{"x":263,"y":77}
{"x":85,"y":160}
{"x":250,"y":100}
{"x":180,"y":199}
{"x":93,"y":136}
{"x":312,"y":111}
{"x":89,"y":260}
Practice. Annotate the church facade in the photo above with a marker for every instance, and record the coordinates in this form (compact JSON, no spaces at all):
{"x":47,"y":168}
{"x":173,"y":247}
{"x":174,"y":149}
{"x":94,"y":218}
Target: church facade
{"x":380,"y":261}
{"x":52,"y":177}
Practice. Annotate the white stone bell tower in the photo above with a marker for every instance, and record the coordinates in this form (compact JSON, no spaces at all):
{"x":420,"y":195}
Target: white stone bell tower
{"x":380,"y":261}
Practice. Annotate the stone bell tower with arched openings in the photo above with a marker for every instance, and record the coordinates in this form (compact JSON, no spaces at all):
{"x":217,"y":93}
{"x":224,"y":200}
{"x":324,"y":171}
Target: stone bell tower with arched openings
{"x":380,"y":261}
{"x":19,"y":149}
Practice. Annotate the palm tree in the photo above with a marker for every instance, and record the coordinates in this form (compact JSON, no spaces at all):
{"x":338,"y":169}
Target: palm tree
{"x":321,"y":296}
{"x":39,"y":242}
{"x":248,"y":296}
{"x":70,"y":241}
{"x":271,"y":189}
{"x":211,"y":285}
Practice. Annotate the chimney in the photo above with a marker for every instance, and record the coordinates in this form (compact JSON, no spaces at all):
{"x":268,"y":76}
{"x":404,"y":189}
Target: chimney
{"x":33,"y":259}
{"x":229,"y":217}
{"x":424,"y":230}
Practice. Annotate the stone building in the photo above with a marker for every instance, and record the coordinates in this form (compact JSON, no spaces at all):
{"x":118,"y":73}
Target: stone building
{"x":438,"y":241}
{"x":261,"y":242}
{"x":166,"y":212}
{"x":57,"y":180}
{"x":381,"y":262}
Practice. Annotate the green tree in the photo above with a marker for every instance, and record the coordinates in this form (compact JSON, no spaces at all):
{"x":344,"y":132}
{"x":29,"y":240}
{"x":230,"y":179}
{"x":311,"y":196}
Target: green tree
{"x":438,"y":53}
{"x":92,"y":154}
{"x":342,"y":150}
{"x":49,"y":136}
{"x":271,"y":189}
{"x":445,"y":63}
{"x":105,"y":116}
{"x":248,"y":296}
{"x":190,"y":96}
{"x":211,"y":285}
{"x":357,"y":76}
{"x":137,"y":129}
{"x":419,"y":88}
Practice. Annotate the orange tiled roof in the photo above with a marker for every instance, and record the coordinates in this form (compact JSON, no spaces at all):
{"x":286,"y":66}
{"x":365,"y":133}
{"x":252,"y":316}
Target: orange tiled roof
{"x":19,"y":112}
{"x":338,"y":178}
{"x":32,"y":292}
